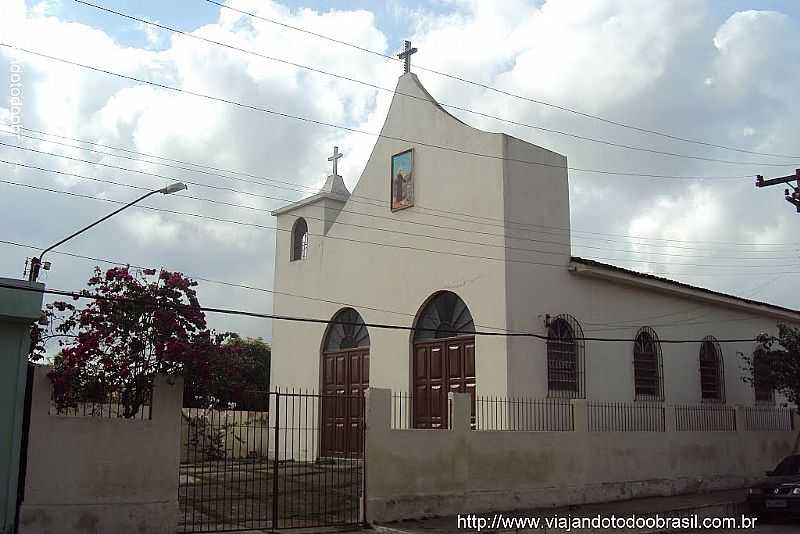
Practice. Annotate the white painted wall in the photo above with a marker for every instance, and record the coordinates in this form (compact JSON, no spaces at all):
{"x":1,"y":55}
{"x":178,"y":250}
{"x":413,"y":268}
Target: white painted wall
{"x":386,"y":281}
{"x":418,"y":473}
{"x":241,"y":434}
{"x":95,"y":474}
{"x":390,"y":277}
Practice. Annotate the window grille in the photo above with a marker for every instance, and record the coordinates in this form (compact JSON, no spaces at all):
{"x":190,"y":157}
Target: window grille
{"x":712,"y":371}
{"x":445,"y":315}
{"x":349,"y":333}
{"x":647,"y":366}
{"x":565,"y":358}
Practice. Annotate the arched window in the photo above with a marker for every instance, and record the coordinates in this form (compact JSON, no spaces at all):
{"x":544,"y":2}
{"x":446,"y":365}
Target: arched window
{"x":712,"y":371}
{"x":764,"y":393}
{"x":445,"y":315}
{"x":299,"y":240}
{"x":346,"y":331}
{"x":565,"y":358}
{"x":647,"y":369}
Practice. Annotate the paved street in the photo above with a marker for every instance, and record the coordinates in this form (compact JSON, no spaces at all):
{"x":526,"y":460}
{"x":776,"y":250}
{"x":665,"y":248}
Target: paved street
{"x":786,"y":528}
{"x":783,"y":528}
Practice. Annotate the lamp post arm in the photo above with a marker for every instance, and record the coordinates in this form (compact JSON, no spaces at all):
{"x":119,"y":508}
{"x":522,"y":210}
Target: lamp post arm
{"x":37,"y":262}
{"x":98,"y":221}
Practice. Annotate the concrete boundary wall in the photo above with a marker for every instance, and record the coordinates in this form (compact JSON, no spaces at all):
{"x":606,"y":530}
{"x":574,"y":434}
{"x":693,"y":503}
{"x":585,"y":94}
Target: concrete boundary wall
{"x":100,"y":474}
{"x":417,"y":473}
{"x":237,"y":433}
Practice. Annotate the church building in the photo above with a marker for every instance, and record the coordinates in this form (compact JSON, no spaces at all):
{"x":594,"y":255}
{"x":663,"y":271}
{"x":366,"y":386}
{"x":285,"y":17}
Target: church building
{"x":458,"y":233}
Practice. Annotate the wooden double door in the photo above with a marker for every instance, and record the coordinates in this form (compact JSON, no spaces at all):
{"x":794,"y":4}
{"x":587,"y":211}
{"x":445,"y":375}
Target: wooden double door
{"x":441,"y":366}
{"x":345,"y":379}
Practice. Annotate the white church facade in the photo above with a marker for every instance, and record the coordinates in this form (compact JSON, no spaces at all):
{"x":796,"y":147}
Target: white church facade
{"x":458,"y":232}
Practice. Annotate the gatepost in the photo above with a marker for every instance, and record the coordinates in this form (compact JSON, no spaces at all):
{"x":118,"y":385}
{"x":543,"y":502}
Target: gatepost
{"x":20,"y":305}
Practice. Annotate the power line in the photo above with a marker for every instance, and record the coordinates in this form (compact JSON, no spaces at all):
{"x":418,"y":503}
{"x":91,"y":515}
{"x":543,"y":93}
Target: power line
{"x":508,"y":93}
{"x":209,"y":280}
{"x":264,"y":227}
{"x":409,"y":95}
{"x":677,"y":323}
{"x":317,"y":122}
{"x":233,"y":204}
{"x":227,"y":311}
{"x":636,"y":321}
{"x":374,"y":228}
{"x":380,"y":203}
{"x":303,"y":188}
{"x":375,"y":202}
{"x":399,"y":232}
{"x":248,"y":287}
{"x":618,"y":325}
{"x":338,"y":238}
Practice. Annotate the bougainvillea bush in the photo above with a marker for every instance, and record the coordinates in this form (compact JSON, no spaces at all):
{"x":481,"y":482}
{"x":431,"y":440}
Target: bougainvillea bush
{"x":139,"y":323}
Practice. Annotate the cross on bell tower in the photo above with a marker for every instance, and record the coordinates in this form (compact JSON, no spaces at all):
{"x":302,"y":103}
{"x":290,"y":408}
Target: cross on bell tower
{"x":335,"y":160}
{"x":405,"y":55}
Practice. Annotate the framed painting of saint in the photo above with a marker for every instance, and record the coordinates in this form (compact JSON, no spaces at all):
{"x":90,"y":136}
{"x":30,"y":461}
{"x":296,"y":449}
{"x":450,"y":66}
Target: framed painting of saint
{"x":402,"y":180}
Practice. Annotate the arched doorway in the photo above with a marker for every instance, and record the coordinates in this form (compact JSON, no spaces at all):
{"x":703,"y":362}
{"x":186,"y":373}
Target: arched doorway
{"x":443,"y":358}
{"x":345,"y":377}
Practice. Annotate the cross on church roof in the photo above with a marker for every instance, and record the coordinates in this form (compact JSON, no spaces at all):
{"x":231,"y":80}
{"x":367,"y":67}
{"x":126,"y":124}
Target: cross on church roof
{"x":335,"y":160}
{"x":405,"y":55}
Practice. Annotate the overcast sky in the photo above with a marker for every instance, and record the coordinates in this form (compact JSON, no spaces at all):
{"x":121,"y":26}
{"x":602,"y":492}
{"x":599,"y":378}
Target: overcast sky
{"x":722,"y":72}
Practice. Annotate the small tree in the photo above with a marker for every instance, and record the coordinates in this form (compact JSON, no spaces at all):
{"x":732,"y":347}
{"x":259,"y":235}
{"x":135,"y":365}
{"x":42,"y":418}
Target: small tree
{"x":775,"y":365}
{"x":141,"y":323}
{"x":254,"y":357}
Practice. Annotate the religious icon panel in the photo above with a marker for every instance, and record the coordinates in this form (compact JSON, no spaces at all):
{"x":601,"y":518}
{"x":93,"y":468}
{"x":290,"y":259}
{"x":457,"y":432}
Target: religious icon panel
{"x":402,"y":180}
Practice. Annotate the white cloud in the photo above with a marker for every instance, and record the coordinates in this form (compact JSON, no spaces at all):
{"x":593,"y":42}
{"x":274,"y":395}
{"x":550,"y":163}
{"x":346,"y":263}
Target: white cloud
{"x":152,"y":34}
{"x":147,"y":228}
{"x":664,"y":65}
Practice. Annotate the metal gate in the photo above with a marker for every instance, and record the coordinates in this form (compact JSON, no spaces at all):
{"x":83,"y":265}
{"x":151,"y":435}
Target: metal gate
{"x":262,"y":469}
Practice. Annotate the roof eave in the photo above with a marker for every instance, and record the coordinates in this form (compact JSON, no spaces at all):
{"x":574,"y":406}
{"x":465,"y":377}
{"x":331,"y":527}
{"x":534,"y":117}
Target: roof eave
{"x":594,"y":269}
{"x":306,"y":201}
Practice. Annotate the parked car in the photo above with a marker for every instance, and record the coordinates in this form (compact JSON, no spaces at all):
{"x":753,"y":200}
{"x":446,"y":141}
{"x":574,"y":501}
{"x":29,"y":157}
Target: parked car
{"x":779,"y":493}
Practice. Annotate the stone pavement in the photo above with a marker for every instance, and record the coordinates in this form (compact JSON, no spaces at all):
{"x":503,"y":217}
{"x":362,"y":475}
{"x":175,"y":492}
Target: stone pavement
{"x":716,"y":504}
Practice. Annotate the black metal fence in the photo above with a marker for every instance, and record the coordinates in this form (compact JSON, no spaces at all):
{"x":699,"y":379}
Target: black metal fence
{"x":103,"y":401}
{"x":523,"y":414}
{"x":768,"y":419}
{"x":496,"y":413}
{"x":625,"y":417}
{"x":402,"y":417}
{"x":402,"y":411}
{"x":297,"y":466}
{"x":705,"y":418}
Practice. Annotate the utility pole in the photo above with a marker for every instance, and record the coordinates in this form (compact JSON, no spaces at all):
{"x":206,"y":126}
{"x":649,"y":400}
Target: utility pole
{"x":792,"y":197}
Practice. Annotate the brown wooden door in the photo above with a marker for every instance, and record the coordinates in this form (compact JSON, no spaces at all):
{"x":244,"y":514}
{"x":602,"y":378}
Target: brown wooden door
{"x":345,"y":378}
{"x":439,"y":367}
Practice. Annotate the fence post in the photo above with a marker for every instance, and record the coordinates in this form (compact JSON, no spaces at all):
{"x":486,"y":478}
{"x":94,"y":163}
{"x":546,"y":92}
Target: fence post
{"x":462,"y":412}
{"x":376,"y":435}
{"x":670,"y":423}
{"x":275,"y":464}
{"x":741,"y":418}
{"x":580,"y":415}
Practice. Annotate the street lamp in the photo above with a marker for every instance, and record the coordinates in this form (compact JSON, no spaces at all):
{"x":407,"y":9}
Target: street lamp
{"x":36,"y":263}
